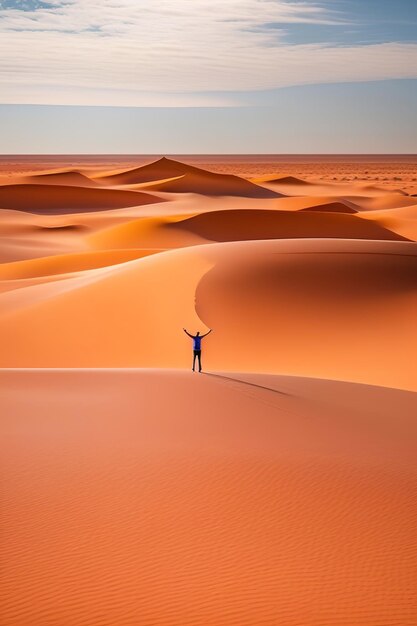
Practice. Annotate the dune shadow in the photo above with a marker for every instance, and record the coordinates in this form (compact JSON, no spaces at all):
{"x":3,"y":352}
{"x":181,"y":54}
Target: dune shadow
{"x":245,"y":382}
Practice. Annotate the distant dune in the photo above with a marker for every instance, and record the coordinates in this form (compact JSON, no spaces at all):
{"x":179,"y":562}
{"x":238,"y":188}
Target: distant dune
{"x":58,"y":199}
{"x":69,"y":178}
{"x":176,"y":177}
{"x":214,"y":185}
{"x":332,"y":207}
{"x":158,"y":170}
{"x":288,"y":180}
{"x":235,"y":225}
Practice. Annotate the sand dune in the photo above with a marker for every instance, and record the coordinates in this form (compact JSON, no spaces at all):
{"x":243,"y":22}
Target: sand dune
{"x":160,"y":232}
{"x":257,"y":224}
{"x":65,"y":263}
{"x":235,"y":225}
{"x":176,"y":177}
{"x":276,"y":500}
{"x":402,"y":221}
{"x":58,"y":199}
{"x":158,"y":170}
{"x":210,"y":184}
{"x":332,"y":207}
{"x":283,"y":496}
{"x":334,"y":309}
{"x":385,"y":201}
{"x":66,"y":178}
{"x":282,"y":180}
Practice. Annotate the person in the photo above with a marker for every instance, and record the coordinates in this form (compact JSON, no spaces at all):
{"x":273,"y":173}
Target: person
{"x":197,"y":346}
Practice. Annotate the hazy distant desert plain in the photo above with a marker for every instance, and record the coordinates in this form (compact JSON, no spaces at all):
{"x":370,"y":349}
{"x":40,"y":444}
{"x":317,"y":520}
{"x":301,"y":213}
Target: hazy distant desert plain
{"x":278,"y":487}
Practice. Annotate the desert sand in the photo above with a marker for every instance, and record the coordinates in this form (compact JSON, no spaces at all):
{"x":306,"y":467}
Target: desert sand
{"x":275,"y":488}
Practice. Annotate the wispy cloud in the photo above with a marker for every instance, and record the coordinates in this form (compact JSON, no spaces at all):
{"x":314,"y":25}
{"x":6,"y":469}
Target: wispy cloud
{"x":174,"y":52}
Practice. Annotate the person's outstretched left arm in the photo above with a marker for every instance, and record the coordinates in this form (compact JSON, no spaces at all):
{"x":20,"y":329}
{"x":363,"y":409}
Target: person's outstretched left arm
{"x":187,"y":333}
{"x":210,"y":331}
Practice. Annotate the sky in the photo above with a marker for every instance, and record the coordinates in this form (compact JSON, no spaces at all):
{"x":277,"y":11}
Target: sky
{"x":201,"y":76}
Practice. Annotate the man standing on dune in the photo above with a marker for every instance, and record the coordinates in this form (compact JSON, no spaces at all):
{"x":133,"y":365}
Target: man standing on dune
{"x":197,"y":346}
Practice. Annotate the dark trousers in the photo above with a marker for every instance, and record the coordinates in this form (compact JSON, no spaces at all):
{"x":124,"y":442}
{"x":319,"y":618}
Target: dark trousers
{"x":197,"y":354}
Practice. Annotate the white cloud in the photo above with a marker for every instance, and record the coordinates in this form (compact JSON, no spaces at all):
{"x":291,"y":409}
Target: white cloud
{"x":167,"y":52}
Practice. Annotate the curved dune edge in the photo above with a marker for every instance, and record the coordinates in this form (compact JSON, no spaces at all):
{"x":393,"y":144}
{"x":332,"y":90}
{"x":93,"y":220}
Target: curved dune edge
{"x":145,"y":231}
{"x":332,"y":207}
{"x":209,"y":184}
{"x":172,"y":176}
{"x":123,"y":311}
{"x":245,"y":224}
{"x":59,"y":199}
{"x":235,"y":225}
{"x":282,"y":180}
{"x":158,"y":170}
{"x":402,"y":221}
{"x":63,"y":177}
{"x":66,"y":263}
{"x":326,"y":308}
{"x":128,"y":499}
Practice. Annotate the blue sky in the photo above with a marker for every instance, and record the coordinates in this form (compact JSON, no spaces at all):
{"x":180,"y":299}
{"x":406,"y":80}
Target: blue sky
{"x":236,"y":66}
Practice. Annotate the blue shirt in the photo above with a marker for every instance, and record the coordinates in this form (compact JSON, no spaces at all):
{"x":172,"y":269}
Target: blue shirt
{"x":197,"y":342}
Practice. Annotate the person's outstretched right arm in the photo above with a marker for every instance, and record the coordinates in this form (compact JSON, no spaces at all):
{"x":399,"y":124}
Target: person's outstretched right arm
{"x":210,"y":331}
{"x":187,"y":333}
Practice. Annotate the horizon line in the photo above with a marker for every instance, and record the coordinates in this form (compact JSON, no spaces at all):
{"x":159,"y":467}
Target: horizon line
{"x":204,"y":154}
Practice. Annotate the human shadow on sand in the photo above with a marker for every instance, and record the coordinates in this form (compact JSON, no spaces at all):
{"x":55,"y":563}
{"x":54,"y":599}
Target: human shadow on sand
{"x":245,"y":382}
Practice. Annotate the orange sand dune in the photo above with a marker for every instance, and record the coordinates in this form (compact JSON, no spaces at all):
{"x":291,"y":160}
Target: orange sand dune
{"x":297,"y":203}
{"x":402,"y":221}
{"x":235,"y":225}
{"x":332,"y":207}
{"x":282,"y":180}
{"x":146,"y":232}
{"x":385,"y":201}
{"x":65,"y":263}
{"x":158,"y":170}
{"x":209,"y":184}
{"x":66,"y":178}
{"x":139,"y":497}
{"x":338,"y":309}
{"x":176,"y":177}
{"x":57,"y":199}
{"x":256,"y":224}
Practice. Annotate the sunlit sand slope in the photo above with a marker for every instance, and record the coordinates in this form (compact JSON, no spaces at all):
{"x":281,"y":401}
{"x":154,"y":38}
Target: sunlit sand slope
{"x":246,"y":224}
{"x":336,"y":309}
{"x":235,"y":225}
{"x":135,"y":497}
{"x":64,"y":263}
{"x":402,"y":221}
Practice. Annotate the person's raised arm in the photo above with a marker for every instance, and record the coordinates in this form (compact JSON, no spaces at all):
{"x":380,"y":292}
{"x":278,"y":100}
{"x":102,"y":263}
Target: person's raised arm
{"x":210,"y":331}
{"x":187,"y":333}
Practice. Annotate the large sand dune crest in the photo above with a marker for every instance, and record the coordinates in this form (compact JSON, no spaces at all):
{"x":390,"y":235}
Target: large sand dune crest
{"x":176,"y":177}
{"x":209,"y":184}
